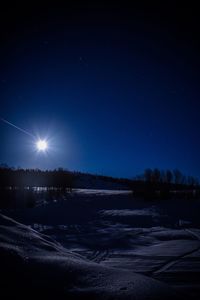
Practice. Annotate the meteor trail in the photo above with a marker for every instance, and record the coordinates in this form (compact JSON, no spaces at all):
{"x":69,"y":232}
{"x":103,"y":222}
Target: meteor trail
{"x":13,"y":125}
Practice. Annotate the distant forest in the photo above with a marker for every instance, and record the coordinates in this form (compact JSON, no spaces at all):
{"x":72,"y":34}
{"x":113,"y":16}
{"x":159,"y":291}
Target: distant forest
{"x":58,"y":178}
{"x":165,"y":184}
{"x":10,"y":177}
{"x":174,"y":177}
{"x":17,"y":185}
{"x":61,"y":178}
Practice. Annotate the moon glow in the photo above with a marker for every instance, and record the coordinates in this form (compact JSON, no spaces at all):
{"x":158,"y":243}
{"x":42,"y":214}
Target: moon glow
{"x":42,"y":145}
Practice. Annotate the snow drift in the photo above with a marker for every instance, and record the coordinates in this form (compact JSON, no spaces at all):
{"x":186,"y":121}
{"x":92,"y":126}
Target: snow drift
{"x":33,"y":264}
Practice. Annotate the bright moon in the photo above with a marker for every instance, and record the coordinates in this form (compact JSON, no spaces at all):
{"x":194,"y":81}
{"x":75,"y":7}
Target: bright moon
{"x":42,"y":145}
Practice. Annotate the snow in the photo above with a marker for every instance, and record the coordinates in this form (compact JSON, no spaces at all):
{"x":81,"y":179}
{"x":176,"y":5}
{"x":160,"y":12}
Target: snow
{"x":98,"y":244}
{"x":130,"y":212}
{"x":34,"y":263}
{"x":101,"y":192}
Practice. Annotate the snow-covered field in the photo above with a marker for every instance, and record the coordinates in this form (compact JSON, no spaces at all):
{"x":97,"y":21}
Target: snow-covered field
{"x":102,"y":245}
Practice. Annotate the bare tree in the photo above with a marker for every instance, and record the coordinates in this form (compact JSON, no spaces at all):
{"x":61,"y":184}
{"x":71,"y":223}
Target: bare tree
{"x":169,"y":176}
{"x":178,"y":176}
{"x":148,"y":175}
{"x":156,"y":175}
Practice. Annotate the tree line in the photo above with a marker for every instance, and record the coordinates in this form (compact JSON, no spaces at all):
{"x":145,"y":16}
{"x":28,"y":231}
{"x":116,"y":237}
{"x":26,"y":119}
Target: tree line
{"x":60,"y":178}
{"x":165,"y":184}
{"x":168,"y":177}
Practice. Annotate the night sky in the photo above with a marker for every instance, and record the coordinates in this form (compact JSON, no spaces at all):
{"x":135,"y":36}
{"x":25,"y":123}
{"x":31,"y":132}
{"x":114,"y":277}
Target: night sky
{"x":114,"y":89}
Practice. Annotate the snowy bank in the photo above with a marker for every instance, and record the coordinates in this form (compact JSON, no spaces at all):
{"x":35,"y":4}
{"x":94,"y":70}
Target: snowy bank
{"x":32,"y":264}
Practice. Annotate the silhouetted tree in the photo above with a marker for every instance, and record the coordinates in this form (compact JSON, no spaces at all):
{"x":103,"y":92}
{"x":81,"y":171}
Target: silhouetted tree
{"x":192,"y":181}
{"x":169,"y":177}
{"x":148,"y":175}
{"x":156,"y":176}
{"x":178,"y":176}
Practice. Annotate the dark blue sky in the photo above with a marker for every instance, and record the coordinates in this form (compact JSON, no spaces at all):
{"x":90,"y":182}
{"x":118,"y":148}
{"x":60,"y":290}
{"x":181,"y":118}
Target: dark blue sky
{"x":115,"y":90}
